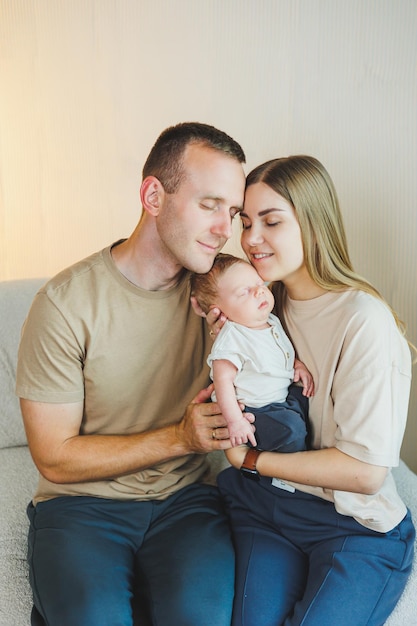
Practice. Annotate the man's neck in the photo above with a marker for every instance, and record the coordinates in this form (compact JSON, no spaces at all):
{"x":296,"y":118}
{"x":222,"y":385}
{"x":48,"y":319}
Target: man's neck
{"x":142,"y":261}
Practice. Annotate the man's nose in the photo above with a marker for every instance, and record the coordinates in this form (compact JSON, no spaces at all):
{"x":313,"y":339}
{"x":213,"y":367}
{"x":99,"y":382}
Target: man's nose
{"x":223,"y":225}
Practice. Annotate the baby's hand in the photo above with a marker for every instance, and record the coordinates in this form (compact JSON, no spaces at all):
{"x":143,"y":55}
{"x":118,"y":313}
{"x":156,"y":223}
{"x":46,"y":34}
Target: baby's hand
{"x":302,"y":373}
{"x":241,"y":432}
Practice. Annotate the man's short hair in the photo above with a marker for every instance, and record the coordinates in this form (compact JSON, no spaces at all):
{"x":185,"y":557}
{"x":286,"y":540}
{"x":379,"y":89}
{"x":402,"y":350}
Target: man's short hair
{"x":165,"y":160}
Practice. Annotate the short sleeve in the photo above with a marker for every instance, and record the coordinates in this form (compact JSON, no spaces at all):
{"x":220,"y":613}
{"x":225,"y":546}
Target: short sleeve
{"x":50,"y":357}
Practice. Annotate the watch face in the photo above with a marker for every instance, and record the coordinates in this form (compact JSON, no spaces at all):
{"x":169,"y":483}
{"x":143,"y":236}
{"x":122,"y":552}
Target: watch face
{"x":249,"y":473}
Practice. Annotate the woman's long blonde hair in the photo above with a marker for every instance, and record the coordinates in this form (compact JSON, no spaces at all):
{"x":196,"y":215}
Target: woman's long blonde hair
{"x":307,"y":186}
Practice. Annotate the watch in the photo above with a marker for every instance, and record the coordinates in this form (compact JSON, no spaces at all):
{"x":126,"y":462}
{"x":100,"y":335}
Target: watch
{"x":248,"y":467}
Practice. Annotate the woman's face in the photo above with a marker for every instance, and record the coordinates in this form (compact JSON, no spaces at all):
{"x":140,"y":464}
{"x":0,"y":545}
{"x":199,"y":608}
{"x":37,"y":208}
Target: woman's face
{"x":271,"y":238}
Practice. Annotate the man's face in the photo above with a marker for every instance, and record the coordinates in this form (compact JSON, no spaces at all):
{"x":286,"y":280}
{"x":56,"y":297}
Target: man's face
{"x":196,"y":221}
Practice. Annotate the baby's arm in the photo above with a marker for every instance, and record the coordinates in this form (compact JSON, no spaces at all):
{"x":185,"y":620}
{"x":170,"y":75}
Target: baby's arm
{"x":302,"y":373}
{"x":240,"y":429}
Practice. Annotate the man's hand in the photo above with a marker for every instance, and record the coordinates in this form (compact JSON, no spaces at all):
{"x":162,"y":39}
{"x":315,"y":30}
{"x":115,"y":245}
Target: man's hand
{"x":203,"y":427}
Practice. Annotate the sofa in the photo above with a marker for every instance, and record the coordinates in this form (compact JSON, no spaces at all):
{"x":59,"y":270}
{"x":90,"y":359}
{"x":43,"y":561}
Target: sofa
{"x":18,"y":475}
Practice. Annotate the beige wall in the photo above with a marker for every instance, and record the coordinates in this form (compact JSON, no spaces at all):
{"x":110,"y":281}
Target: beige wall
{"x":86,"y":86}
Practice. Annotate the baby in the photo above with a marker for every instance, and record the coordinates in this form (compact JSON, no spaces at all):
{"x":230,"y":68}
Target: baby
{"x":252,"y":360}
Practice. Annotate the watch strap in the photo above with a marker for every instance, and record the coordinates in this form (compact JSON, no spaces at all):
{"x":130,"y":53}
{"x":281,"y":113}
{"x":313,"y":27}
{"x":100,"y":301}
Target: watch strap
{"x":251,"y":458}
{"x":248,"y":467}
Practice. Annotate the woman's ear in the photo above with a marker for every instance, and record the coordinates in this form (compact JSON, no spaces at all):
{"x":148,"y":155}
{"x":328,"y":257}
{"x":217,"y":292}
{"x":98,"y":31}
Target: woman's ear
{"x":151,"y":195}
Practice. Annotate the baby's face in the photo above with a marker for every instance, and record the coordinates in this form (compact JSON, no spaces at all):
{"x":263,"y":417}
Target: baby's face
{"x":243,"y":296}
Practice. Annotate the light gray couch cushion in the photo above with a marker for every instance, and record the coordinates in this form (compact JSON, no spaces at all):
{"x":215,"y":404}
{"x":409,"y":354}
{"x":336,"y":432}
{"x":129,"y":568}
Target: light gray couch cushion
{"x":17,"y":485}
{"x":15,"y":299}
{"x":405,"y":613}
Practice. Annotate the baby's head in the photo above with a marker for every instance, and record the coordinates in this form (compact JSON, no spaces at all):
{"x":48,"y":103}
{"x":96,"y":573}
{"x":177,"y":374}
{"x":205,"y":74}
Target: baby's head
{"x":235,"y":287}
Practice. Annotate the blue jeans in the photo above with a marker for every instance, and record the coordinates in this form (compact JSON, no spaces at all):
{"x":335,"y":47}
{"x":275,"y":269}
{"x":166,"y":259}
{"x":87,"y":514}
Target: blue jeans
{"x":98,"y":562}
{"x":299,"y":562}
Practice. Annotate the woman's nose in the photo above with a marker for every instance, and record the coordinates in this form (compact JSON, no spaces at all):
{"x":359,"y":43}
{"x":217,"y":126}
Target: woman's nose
{"x":252,"y":237}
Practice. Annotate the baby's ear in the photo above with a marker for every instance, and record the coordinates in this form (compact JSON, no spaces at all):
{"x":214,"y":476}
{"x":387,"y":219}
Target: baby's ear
{"x":197,"y":308}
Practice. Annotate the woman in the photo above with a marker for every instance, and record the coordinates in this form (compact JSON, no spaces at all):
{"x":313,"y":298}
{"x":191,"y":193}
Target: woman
{"x":322,"y":536}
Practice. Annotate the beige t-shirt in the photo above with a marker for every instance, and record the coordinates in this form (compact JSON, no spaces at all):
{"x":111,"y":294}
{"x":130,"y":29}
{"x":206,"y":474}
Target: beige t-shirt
{"x":361,"y":366}
{"x":135,"y":357}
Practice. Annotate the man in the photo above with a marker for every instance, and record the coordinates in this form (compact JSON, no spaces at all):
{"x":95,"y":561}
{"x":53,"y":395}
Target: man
{"x":112,"y":381}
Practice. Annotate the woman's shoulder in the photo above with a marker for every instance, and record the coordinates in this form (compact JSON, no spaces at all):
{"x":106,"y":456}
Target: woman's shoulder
{"x":370,"y":326}
{"x":364,"y":306}
{"x":348,"y":312}
{"x":340,"y":303}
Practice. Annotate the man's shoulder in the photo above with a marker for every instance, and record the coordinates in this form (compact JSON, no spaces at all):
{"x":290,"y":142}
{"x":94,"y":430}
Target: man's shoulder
{"x":81,"y":275}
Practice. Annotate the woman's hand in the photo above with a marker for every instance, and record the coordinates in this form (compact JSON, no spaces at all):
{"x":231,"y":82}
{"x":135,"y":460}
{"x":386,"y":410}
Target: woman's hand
{"x":215,"y":318}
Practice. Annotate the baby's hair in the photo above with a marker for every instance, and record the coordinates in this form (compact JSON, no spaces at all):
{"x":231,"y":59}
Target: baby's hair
{"x":204,"y":286}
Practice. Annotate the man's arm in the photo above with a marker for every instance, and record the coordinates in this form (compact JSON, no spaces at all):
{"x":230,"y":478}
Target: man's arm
{"x":62,"y":455}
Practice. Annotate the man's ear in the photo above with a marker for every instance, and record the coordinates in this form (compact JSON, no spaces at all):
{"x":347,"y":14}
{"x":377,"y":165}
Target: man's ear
{"x":151,"y":195}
